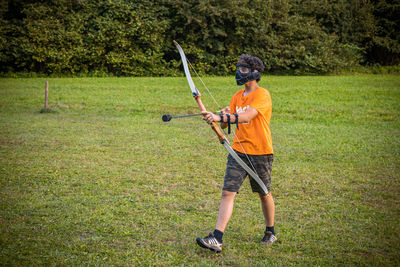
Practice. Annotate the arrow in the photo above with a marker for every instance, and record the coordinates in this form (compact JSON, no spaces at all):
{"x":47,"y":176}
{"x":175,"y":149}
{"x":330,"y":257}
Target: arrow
{"x":168,"y":117}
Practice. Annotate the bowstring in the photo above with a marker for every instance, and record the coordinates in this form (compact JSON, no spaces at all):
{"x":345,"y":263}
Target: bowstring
{"x":198,"y":76}
{"x":219,"y":106}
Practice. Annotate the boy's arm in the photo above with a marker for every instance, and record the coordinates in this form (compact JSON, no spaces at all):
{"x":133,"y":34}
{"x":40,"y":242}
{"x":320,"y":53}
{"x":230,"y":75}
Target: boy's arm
{"x":247,"y":116}
{"x":244,"y":117}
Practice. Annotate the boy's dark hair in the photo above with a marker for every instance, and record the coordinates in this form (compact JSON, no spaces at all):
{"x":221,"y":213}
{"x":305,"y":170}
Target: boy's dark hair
{"x":251,"y":61}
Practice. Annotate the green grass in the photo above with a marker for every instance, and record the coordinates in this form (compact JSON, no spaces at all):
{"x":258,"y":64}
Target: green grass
{"x":101,"y":180}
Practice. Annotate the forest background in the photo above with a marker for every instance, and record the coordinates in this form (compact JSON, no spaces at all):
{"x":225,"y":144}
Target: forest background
{"x":134,"y":38}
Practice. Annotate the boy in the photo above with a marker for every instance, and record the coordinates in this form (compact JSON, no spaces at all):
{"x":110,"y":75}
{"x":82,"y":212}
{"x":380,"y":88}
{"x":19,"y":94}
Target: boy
{"x":251,"y":108}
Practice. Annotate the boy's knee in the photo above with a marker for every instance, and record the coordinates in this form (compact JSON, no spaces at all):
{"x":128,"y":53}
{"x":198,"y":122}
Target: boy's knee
{"x":228,"y":194}
{"x":265,"y":197}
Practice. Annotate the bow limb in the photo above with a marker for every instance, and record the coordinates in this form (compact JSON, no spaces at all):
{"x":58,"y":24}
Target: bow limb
{"x":196,"y":93}
{"x":186,"y":68}
{"x":214,"y":126}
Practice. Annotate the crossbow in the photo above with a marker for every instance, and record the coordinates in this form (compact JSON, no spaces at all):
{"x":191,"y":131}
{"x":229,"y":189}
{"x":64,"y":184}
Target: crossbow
{"x":223,"y":140}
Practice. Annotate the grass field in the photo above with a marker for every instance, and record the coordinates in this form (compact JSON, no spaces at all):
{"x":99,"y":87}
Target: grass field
{"x":101,"y":180}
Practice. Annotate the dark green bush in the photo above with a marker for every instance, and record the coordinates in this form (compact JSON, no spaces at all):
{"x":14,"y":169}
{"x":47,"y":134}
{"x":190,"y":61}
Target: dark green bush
{"x":134,"y":38}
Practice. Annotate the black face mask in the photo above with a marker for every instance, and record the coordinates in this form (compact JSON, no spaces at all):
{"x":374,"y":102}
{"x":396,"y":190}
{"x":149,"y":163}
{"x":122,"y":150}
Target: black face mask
{"x":242,"y":78}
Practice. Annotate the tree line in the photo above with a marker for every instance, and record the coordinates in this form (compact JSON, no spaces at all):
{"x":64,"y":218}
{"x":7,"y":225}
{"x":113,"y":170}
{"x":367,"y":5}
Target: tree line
{"x":134,"y":37}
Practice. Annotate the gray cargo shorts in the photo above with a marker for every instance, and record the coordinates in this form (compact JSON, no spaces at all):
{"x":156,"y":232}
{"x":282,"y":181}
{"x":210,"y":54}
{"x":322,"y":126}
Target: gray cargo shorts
{"x":235,"y":174}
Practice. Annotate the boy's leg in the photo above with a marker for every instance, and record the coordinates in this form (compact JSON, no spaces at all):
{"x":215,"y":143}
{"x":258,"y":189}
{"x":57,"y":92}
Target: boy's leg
{"x":268,"y":208}
{"x":225,"y":209}
{"x":214,"y":240}
{"x":263,"y":165}
{"x":233,"y":179}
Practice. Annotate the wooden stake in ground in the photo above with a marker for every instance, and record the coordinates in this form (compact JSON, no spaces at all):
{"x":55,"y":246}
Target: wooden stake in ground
{"x":46,"y":109}
{"x":46,"y":95}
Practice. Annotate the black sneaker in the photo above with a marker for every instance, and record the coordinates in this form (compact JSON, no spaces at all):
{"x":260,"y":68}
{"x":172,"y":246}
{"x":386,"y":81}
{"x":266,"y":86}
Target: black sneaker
{"x":209,"y":242}
{"x":269,"y":238}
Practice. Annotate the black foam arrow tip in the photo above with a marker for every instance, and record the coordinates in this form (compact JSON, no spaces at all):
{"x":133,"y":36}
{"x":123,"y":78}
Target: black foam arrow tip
{"x":166,"y":117}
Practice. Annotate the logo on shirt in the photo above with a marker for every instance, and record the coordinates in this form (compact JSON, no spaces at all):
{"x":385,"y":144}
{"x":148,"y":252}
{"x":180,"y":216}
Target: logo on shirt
{"x":242,"y":110}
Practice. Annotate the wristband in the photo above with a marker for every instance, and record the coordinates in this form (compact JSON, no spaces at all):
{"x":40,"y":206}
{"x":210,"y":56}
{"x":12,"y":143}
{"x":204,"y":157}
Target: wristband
{"x":228,"y":120}
{"x":236,"y":120}
{"x":222,"y":117}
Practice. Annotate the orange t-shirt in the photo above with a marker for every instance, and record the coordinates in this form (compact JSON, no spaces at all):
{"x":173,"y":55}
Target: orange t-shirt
{"x":254,"y":136}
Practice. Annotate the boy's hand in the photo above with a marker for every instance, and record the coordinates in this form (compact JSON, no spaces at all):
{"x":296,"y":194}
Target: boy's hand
{"x":210,"y":117}
{"x":226,"y":110}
